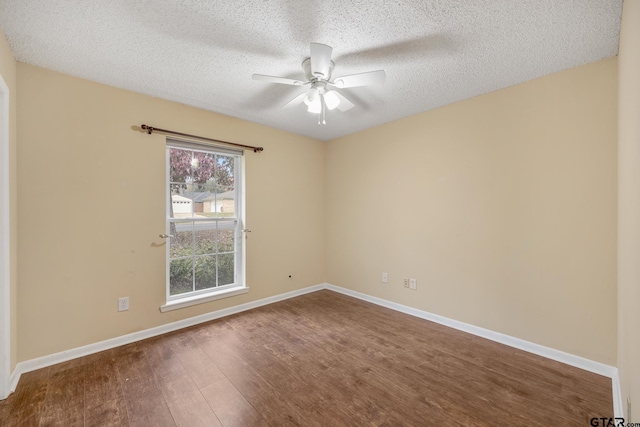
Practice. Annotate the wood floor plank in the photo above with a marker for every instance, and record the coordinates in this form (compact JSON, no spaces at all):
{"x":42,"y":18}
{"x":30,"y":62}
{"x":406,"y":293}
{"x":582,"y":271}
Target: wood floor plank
{"x":163,"y":366}
{"x":197,"y":414}
{"x":107,"y":413}
{"x":231,"y":408}
{"x":266,"y":400}
{"x":27,"y":403}
{"x":101,"y":382}
{"x":104,"y":396}
{"x":159,"y":417}
{"x":66,"y":389}
{"x":144,"y":400}
{"x":197,"y":364}
{"x":4,"y":411}
{"x":142,"y":395}
{"x":184,"y":399}
{"x":54,"y":416}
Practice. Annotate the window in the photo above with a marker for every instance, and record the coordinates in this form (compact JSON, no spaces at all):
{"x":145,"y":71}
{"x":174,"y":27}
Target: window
{"x":204,"y":223}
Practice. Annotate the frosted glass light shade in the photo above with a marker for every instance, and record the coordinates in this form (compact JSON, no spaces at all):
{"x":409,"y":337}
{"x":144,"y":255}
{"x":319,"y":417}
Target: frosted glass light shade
{"x":331,"y":100}
{"x":315,"y":106}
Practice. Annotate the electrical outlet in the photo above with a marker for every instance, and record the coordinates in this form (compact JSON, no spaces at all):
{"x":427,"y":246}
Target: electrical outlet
{"x":413,"y":284}
{"x":123,"y":304}
{"x":406,"y":283}
{"x":385,"y":278}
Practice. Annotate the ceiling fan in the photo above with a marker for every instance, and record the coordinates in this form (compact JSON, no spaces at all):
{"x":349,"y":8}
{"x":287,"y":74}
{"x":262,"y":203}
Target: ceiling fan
{"x":322,"y":94}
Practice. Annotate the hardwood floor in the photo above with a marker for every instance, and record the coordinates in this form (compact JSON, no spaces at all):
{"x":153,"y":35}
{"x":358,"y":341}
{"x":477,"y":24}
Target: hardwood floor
{"x":322,"y":359}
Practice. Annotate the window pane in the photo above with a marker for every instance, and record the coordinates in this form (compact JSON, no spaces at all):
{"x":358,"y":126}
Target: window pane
{"x":203,"y":198}
{"x":227,"y":204}
{"x":226,"y":269}
{"x":225,"y":186}
{"x":182,"y":240}
{"x":225,"y":236}
{"x":181,"y":206}
{"x":224,"y":173}
{"x":180,"y":171}
{"x":180,"y":276}
{"x":203,"y":167}
{"x":180,"y":165}
{"x":205,"y":272}
{"x":205,"y":232}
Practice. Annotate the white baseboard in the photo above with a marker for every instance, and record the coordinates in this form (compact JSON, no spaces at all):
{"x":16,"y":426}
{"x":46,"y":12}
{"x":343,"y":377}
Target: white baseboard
{"x":618,"y":407}
{"x":13,"y":380}
{"x":557,"y":355}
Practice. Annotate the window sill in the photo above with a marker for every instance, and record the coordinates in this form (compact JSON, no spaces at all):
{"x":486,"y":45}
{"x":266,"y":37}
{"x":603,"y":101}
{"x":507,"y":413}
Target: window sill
{"x":200,"y":299}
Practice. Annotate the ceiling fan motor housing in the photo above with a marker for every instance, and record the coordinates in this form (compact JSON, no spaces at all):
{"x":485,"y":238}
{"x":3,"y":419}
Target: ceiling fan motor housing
{"x":306,"y":67}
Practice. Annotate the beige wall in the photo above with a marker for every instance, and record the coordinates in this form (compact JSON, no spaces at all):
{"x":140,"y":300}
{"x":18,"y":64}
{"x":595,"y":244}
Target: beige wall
{"x":76,"y":147}
{"x":503,"y":207}
{"x":8,"y":73}
{"x":629,"y":208}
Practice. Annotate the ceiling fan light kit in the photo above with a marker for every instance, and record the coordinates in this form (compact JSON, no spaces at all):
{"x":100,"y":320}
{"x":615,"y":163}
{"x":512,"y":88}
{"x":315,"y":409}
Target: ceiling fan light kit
{"x":320,"y":97}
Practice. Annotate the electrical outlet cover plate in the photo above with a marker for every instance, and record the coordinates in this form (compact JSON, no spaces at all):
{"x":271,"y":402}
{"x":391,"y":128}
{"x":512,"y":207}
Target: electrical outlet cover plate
{"x":123,"y":304}
{"x":385,"y":278}
{"x":413,"y":284}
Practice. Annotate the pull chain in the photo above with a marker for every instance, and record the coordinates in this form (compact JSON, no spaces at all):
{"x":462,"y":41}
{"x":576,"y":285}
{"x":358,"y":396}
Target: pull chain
{"x":322,"y":116}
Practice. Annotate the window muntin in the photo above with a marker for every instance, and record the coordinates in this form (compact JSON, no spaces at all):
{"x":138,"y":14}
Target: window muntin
{"x":204,"y":199}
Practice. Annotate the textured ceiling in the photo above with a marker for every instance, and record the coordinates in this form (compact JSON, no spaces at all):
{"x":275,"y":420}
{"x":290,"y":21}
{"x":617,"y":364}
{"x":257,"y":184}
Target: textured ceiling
{"x":203,"y":53}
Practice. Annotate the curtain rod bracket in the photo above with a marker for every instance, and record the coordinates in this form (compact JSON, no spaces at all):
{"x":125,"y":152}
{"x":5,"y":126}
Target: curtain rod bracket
{"x":150,"y":130}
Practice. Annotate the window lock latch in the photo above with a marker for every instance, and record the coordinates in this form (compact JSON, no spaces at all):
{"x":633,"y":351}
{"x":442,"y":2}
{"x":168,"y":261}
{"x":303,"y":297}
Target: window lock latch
{"x":166,"y":236}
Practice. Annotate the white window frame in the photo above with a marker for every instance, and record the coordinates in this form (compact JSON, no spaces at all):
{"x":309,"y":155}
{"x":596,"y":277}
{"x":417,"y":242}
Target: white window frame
{"x":174,"y":302}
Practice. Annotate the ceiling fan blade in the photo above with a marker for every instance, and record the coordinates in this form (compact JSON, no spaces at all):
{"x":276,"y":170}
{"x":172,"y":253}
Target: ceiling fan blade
{"x":280,"y":80}
{"x":320,"y":60}
{"x":295,"y":101}
{"x":362,"y":79}
{"x":345,"y":104}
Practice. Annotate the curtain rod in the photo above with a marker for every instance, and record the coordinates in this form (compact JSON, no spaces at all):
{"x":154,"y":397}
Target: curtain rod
{"x":151,"y":129}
